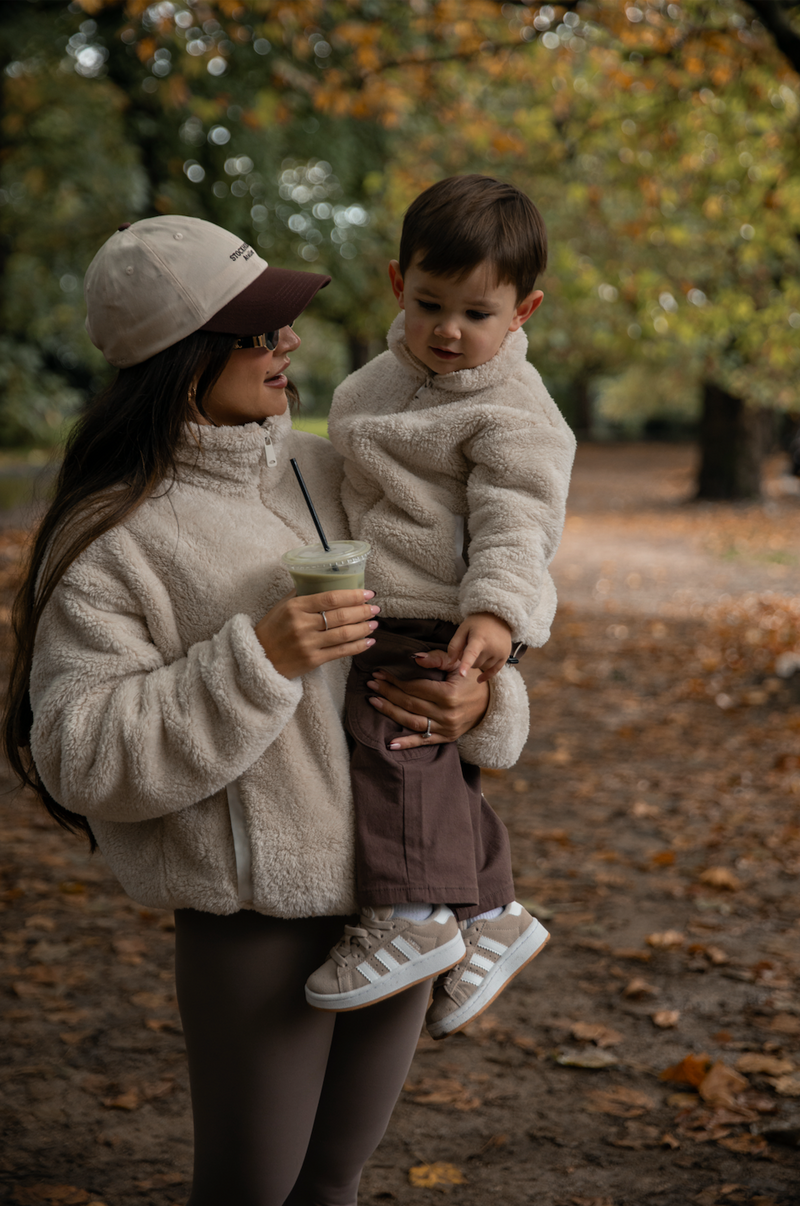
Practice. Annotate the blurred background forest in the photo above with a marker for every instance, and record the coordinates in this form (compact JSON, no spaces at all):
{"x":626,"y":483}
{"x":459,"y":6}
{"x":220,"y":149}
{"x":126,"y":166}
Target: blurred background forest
{"x":660,"y":140}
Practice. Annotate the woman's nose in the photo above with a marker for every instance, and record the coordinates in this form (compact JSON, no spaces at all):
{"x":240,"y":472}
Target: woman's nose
{"x":289,"y":340}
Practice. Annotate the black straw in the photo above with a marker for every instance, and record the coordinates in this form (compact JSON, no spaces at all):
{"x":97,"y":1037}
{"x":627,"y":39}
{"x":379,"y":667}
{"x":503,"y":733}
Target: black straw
{"x":309,"y":504}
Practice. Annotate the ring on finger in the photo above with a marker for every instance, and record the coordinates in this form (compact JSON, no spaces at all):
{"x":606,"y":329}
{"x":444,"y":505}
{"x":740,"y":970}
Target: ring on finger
{"x":427,"y":732}
{"x":324,"y":620}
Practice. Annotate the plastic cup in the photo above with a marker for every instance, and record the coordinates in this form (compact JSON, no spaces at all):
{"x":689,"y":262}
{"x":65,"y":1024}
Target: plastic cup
{"x":314,"y":571}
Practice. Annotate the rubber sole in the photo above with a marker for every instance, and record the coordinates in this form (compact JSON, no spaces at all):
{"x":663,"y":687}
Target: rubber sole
{"x":519,"y":955}
{"x":434,"y":963}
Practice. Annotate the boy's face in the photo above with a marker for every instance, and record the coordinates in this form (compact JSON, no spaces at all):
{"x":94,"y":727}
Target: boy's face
{"x":451,"y":324}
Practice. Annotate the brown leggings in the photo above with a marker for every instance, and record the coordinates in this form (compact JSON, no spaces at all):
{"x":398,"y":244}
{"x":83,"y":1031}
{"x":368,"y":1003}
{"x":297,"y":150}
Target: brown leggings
{"x":289,"y":1102}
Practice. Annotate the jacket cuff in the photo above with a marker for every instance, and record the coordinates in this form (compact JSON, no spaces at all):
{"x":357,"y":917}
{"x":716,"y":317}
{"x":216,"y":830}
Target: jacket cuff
{"x":498,"y":740}
{"x":257,"y":678}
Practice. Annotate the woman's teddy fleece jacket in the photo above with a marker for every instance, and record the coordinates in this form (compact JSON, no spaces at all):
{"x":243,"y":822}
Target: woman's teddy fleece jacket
{"x":424,"y":453}
{"x":209,"y":780}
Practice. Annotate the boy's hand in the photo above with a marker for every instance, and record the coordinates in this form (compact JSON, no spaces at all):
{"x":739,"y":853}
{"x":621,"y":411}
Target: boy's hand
{"x":482,"y":641}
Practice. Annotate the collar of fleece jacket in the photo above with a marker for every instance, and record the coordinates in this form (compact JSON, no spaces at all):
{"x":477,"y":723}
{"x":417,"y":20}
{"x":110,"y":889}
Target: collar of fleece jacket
{"x":229,"y":459}
{"x":511,"y":354}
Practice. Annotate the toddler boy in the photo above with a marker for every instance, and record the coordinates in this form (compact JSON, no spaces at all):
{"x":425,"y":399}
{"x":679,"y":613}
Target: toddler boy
{"x":457,"y":465}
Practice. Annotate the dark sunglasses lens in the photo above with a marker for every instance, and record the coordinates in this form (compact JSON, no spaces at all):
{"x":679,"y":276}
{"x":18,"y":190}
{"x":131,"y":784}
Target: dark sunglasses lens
{"x":269,"y":340}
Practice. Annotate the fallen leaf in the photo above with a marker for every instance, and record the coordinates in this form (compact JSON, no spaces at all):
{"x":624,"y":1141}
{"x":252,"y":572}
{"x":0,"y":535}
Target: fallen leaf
{"x":788,"y":1086}
{"x":597,"y":1033}
{"x":159,"y":1024}
{"x":720,"y":877}
{"x":442,"y":1091}
{"x":637,"y":1137}
{"x":435,"y":1176}
{"x":666,"y":940}
{"x":665,"y":1019}
{"x":74,"y":1038}
{"x":130,"y":950}
{"x":161,"y":1180}
{"x":785,"y":1023}
{"x":721,"y":1084}
{"x":690,"y":1071}
{"x":632,"y":953}
{"x":585,"y":1057}
{"x":152,"y":1000}
{"x":57,"y":1195}
{"x":771,"y":1065}
{"x":751,"y":1145}
{"x":619,"y":1101}
{"x":637,"y":988}
{"x":683,"y":1101}
{"x":123,"y":1101}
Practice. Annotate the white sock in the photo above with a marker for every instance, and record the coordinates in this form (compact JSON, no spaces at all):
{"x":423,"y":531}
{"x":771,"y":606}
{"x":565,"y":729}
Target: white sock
{"x":488,"y":916}
{"x":413,"y":911}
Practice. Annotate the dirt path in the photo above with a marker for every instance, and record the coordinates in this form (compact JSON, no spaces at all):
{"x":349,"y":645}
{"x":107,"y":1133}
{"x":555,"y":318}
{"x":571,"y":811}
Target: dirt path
{"x":655,"y":820}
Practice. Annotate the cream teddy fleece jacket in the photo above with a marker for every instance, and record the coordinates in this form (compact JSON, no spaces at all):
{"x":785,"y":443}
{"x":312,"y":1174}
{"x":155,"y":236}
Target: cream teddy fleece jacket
{"x":209,"y":780}
{"x":425,"y":453}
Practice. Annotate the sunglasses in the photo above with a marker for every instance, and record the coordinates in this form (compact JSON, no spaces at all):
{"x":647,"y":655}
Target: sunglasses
{"x":269,"y":340}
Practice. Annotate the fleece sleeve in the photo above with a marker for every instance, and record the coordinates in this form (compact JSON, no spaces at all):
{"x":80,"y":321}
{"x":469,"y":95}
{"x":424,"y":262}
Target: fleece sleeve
{"x":516,"y":493}
{"x":121,"y":733}
{"x":498,"y":740}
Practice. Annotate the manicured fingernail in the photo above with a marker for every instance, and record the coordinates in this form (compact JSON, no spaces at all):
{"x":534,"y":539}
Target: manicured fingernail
{"x":374,"y":609}
{"x":395,"y":746}
{"x":369,"y":642}
{"x":372,"y":684}
{"x":379,"y":675}
{"x":376,"y":703}
{"x":369,"y":594}
{"x":373,"y":624}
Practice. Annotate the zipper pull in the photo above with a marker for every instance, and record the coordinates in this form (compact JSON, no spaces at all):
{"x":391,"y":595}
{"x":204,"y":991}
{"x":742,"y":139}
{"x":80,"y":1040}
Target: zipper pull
{"x":269,"y":453}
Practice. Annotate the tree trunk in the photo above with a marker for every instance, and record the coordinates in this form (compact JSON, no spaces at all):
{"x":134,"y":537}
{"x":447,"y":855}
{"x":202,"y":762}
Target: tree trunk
{"x":732,"y":447}
{"x":583,"y":412}
{"x":359,"y":350}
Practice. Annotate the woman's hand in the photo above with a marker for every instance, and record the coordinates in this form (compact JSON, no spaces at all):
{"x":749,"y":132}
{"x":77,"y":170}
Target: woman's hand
{"x":295,"y":638}
{"x":453,"y":706}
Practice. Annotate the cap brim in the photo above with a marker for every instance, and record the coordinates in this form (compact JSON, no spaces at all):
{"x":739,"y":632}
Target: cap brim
{"x":273,"y":300}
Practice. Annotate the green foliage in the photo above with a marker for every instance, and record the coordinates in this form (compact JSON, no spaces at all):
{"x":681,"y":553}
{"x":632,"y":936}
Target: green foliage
{"x":659,"y":140}
{"x":36,"y":402}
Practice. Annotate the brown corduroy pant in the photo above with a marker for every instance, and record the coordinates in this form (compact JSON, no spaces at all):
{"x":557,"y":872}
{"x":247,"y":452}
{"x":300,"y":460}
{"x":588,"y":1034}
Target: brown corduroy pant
{"x":424,"y":832}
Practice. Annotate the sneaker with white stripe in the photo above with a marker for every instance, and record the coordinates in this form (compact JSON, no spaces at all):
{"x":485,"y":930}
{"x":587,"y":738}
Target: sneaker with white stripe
{"x":496,"y":950}
{"x":384,"y":955}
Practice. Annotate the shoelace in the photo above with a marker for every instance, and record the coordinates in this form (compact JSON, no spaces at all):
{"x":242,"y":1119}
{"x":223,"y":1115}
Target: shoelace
{"x":357,"y":935}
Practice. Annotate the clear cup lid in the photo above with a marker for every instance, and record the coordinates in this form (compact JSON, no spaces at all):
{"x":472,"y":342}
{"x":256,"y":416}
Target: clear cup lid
{"x":313,"y":559}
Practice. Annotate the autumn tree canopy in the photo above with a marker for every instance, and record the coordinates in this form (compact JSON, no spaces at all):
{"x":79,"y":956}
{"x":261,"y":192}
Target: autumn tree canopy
{"x":660,"y":141}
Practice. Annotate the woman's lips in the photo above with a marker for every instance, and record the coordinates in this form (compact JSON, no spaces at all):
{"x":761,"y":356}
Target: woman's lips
{"x":278,"y":380}
{"x":444,"y":354}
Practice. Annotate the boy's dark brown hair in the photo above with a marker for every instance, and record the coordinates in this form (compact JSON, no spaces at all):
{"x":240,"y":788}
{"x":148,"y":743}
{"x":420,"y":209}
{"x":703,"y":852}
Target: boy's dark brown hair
{"x":461,"y":221}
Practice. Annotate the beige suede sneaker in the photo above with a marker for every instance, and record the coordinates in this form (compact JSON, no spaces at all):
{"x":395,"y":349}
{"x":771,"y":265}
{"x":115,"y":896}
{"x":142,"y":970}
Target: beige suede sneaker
{"x":495,"y":951}
{"x":384,"y":955}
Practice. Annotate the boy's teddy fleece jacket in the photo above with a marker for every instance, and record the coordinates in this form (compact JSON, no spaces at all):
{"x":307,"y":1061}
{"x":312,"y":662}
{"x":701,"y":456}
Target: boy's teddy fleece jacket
{"x":424,"y":453}
{"x":209,"y":780}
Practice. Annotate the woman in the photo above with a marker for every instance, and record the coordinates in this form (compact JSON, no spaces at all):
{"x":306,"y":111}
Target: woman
{"x":170,"y":700}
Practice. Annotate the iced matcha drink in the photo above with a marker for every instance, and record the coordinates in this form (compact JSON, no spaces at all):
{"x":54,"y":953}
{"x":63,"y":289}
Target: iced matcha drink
{"x":314,"y":571}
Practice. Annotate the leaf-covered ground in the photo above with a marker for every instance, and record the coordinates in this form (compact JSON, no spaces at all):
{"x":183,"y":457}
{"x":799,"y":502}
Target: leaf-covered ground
{"x":651,"y":1054}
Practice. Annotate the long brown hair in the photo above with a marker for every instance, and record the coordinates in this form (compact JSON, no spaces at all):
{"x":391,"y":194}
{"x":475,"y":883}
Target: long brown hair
{"x":119,"y":452}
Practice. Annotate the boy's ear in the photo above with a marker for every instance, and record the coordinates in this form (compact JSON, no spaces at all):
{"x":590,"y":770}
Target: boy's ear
{"x":525,"y":308}
{"x":397,"y":281}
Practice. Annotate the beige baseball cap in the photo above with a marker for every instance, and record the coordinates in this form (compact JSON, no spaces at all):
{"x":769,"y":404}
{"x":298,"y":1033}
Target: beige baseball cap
{"x":157,"y":280}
